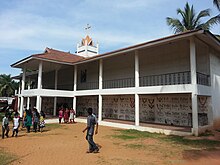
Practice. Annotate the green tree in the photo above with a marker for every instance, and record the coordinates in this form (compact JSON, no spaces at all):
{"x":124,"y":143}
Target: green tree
{"x":7,"y":85}
{"x":217,"y":3}
{"x":191,"y":21}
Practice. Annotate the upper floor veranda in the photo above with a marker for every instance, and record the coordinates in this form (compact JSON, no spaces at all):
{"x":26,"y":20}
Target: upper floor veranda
{"x":166,"y":65}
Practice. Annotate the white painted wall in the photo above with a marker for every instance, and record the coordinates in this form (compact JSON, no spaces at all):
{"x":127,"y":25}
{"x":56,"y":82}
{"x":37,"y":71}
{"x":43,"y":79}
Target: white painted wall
{"x":92,"y":71}
{"x":215,"y":85}
{"x":48,"y":80}
{"x":169,"y":58}
{"x":119,"y":67}
{"x":202,"y":58}
{"x":65,"y":78}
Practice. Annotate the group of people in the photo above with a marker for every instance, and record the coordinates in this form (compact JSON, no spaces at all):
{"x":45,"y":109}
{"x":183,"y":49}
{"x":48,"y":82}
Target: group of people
{"x":5,"y":125}
{"x":35,"y":119}
{"x":67,"y":115}
{"x":30,"y":118}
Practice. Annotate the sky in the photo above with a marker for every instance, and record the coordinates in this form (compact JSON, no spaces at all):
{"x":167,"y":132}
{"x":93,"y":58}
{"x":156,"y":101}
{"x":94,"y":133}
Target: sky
{"x":29,"y":26}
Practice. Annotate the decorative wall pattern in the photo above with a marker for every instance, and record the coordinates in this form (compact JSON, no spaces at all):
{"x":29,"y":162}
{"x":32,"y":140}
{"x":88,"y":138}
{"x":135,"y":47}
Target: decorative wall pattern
{"x":204,"y":107}
{"x":118,"y":107}
{"x":172,"y":109}
{"x":85,"y":102}
{"x":47,"y":105}
{"x":166,"y":109}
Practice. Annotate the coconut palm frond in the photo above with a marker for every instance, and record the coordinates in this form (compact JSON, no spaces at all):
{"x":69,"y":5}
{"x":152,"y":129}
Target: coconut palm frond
{"x":217,"y":3}
{"x":175,"y":24}
{"x":203,"y":13}
{"x":190,"y":20}
{"x":213,"y":21}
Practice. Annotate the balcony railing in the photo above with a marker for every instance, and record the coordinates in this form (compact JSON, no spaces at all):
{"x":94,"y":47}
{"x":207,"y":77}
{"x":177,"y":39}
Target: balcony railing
{"x":150,"y":80}
{"x":203,"y":79}
{"x":166,"y":79}
{"x":88,"y":85}
{"x":174,"y":79}
{"x":118,"y":83}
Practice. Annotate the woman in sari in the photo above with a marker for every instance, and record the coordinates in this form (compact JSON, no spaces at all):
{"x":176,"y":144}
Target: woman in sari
{"x":28,"y":120}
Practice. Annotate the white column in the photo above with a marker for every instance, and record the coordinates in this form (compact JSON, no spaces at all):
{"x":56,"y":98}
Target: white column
{"x":195,"y":123}
{"x":100,"y":87}
{"x":19,"y":99}
{"x":74,"y":103}
{"x":55,"y":98}
{"x":137,"y":111}
{"x":19,"y":88}
{"x":28,"y":98}
{"x":19,"y":92}
{"x":38,"y":103}
{"x":75,"y":87}
{"x":39,"y":82}
{"x":137,"y":120}
{"x":100,"y":73}
{"x":54,"y":106}
{"x":22,"y":89}
{"x":136,"y":69}
{"x":75,"y":78}
{"x":100,"y":108}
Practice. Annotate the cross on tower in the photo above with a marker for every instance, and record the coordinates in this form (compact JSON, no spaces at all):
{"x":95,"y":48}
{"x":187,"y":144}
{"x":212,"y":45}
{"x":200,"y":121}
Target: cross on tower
{"x":87,"y":28}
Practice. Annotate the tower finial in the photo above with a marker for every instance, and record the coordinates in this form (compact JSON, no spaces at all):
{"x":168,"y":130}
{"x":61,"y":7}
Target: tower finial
{"x":87,"y":29}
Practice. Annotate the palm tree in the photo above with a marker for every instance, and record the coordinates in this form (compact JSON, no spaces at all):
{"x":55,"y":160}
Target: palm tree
{"x":7,"y":85}
{"x":217,"y":3}
{"x":191,"y":21}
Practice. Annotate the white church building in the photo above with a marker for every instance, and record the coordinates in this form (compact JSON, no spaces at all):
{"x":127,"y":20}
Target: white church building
{"x":170,"y":85}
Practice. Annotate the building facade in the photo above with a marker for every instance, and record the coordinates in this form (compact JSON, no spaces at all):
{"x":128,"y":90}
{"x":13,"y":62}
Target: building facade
{"x":169,"y":85}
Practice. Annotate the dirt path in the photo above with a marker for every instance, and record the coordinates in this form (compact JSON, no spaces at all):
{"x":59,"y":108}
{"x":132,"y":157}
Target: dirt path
{"x":67,"y":145}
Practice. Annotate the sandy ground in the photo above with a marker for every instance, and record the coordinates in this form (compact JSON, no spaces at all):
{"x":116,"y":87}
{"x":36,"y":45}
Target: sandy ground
{"x":67,"y":146}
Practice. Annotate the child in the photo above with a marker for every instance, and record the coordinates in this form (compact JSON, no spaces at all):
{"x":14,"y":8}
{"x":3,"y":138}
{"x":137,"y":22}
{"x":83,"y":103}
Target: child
{"x":66,"y":116}
{"x":72,"y":113}
{"x":60,"y":115}
{"x":42,"y":123}
{"x":5,"y":126}
{"x":15,"y":125}
{"x":36,"y":117}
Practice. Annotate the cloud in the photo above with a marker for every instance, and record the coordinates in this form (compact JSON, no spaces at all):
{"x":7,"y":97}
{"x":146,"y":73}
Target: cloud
{"x":35,"y":21}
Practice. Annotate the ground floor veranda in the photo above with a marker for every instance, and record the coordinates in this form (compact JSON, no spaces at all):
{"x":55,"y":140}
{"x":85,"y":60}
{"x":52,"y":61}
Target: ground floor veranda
{"x":164,"y":113}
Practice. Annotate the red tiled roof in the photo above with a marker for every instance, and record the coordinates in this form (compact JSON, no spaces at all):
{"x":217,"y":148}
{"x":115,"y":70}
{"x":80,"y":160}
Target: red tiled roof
{"x":60,"y":56}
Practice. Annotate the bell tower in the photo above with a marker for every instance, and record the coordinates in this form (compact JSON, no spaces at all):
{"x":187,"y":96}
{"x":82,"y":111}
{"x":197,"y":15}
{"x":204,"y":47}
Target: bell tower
{"x":87,"y":48}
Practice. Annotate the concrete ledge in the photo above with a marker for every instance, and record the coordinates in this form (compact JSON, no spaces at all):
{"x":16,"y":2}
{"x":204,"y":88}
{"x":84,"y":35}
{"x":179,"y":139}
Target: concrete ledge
{"x":148,"y":129}
{"x":128,"y":126}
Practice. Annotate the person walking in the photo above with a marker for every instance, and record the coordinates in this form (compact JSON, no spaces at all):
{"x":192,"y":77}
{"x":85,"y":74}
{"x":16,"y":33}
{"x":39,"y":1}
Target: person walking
{"x":28,"y":120}
{"x":91,"y":123}
{"x":15,"y":125}
{"x":5,"y":126}
{"x":66,"y":115}
{"x":36,"y":118}
{"x":72,"y":113}
{"x":60,"y":115}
